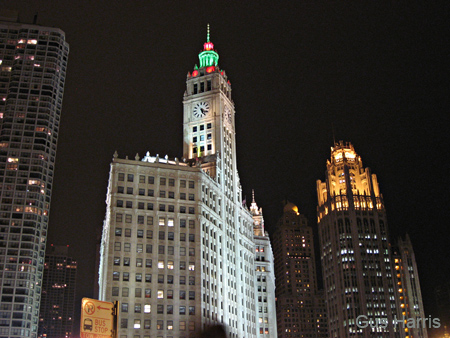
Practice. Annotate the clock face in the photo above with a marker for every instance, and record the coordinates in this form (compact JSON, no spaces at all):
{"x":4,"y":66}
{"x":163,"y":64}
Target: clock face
{"x":201,"y":109}
{"x":227,"y":115}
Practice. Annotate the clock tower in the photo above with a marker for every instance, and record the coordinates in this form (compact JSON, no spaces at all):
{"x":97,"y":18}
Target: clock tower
{"x":208,"y":122}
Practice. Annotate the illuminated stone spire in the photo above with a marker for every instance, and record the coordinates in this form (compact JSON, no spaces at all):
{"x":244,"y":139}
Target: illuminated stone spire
{"x":254,"y":207}
{"x":208,"y":57}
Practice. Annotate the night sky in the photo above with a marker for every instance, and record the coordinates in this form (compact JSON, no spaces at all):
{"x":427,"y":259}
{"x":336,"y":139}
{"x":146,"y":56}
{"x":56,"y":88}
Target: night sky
{"x":375,"y":72}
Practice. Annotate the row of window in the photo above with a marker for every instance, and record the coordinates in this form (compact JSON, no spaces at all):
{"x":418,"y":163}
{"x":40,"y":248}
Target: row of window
{"x":146,"y":324}
{"x":162,"y":207}
{"x":161,"y":235}
{"x":148,"y":278}
{"x":151,"y":180}
{"x":202,"y":137}
{"x":202,"y":148}
{"x":160,"y":293}
{"x":149,"y":249}
{"x":151,"y":193}
{"x":162,"y":221}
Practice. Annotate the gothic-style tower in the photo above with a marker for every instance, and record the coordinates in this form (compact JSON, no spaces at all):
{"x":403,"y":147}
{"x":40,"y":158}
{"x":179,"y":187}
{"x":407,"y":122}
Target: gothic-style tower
{"x":355,"y":250}
{"x":208,"y":123}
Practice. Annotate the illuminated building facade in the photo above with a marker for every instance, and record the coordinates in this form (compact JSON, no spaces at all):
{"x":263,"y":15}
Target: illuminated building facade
{"x":33,"y":62}
{"x":408,"y":287}
{"x":177,"y":246}
{"x":300,"y":307}
{"x":265,"y":276}
{"x":355,"y":251}
{"x":58,"y":294}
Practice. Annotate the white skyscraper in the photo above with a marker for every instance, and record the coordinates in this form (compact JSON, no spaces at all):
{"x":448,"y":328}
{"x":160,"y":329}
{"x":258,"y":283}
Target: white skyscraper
{"x":265,"y":276}
{"x":33,"y":61}
{"x":177,"y":248}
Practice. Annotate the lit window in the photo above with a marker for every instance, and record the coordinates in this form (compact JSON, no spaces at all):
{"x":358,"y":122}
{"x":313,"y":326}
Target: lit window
{"x":160,"y":294}
{"x":137,"y":323}
{"x":161,"y":265}
{"x":170,"y":265}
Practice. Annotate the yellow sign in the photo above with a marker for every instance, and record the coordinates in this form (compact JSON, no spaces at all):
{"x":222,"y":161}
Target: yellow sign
{"x":97,"y":319}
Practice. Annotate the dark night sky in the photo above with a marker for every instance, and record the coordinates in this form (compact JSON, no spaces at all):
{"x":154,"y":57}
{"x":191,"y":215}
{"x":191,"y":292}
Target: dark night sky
{"x":375,"y":70}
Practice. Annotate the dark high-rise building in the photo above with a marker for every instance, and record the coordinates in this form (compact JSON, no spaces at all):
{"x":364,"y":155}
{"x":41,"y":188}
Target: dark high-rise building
{"x":33,"y":61}
{"x":408,"y":286}
{"x":58,"y":294}
{"x":300,"y":307}
{"x":362,"y":293}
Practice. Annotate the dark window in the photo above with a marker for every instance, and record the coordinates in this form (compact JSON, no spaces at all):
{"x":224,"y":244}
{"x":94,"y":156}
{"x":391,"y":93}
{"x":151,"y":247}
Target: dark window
{"x":130,"y":177}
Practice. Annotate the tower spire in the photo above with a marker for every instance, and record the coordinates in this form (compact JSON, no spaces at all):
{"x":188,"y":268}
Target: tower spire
{"x":208,"y":57}
{"x":253,"y":195}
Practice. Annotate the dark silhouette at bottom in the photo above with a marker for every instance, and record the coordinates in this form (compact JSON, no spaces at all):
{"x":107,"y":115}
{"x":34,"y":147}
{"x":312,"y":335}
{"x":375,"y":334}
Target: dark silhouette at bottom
{"x":216,"y":331}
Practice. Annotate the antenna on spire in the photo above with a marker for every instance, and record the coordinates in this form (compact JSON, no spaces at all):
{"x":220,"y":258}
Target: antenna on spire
{"x":207,"y":33}
{"x":253,"y":195}
{"x":334,"y":139}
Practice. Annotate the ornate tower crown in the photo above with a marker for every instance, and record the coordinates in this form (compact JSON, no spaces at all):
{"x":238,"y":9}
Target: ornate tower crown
{"x":208,"y":57}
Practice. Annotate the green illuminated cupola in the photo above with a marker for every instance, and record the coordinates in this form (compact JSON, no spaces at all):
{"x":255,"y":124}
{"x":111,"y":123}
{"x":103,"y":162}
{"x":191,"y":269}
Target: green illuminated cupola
{"x":208,"y":57}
